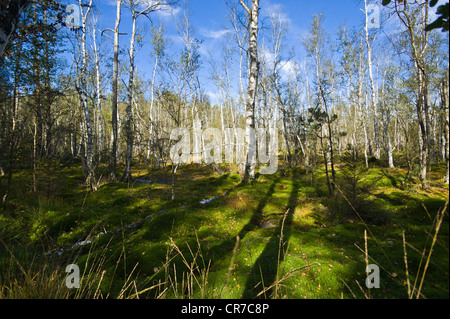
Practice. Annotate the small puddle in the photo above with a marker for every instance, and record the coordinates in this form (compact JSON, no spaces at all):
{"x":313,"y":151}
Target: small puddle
{"x":89,"y":240}
{"x":206,"y":201}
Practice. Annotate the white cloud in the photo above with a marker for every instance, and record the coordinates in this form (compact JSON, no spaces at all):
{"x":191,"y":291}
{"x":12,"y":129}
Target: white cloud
{"x":214,"y":34}
{"x":214,"y":97}
{"x":287,"y":68}
{"x":168,"y":13}
{"x":111,"y":2}
{"x":276,"y":11}
{"x":212,"y":42}
{"x":290,"y":68}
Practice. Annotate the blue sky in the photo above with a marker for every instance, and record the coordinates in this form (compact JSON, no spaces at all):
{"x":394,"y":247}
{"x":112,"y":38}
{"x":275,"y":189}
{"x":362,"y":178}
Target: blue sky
{"x":208,"y":19}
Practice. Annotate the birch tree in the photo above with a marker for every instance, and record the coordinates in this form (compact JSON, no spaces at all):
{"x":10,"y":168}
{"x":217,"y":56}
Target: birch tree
{"x":240,"y":35}
{"x":279,"y":29}
{"x":115,"y":93}
{"x":389,"y":97}
{"x":374,"y":100}
{"x":138,"y":8}
{"x":83,"y":92}
{"x":253,"y":14}
{"x":415,"y":18}
{"x":349,"y":66}
{"x":159,"y":46}
{"x":446,"y":137}
{"x":189,"y":66}
{"x":314,"y":44}
{"x":129,"y":132}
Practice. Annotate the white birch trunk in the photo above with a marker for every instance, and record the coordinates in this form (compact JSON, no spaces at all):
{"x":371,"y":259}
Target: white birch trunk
{"x":249,"y":173}
{"x":361,"y":111}
{"x":372,"y":85}
{"x":84,"y":100}
{"x":114,"y":108}
{"x":445,"y":102}
{"x":128,"y":117}
{"x":98,"y":91}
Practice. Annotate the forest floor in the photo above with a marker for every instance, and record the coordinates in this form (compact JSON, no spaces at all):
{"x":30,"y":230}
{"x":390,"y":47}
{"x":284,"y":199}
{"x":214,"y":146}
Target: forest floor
{"x":281,"y":236}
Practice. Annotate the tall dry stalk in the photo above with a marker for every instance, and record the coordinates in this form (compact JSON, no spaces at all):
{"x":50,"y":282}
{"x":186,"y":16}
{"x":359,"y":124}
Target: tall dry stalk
{"x":438,"y":222}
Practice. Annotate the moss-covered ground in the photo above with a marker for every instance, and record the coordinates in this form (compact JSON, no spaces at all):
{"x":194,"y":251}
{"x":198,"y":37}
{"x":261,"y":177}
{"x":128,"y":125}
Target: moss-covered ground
{"x":281,"y":236}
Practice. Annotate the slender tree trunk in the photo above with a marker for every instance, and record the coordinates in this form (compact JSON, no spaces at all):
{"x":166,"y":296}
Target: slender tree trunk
{"x":12,"y":139}
{"x":279,"y":101}
{"x":390,"y":149}
{"x":325,"y":160}
{"x":98,"y":92}
{"x":445,"y":102}
{"x":90,"y":178}
{"x":150,"y":141}
{"x":387,"y":120}
{"x":286,"y":136}
{"x":113,"y":159}
{"x":48,"y":98}
{"x":418,"y":39}
{"x":360,"y":109}
{"x":128,"y":119}
{"x":372,"y":86}
{"x":330,"y":143}
{"x":421,"y":105}
{"x":34,"y":153}
{"x":249,"y":173}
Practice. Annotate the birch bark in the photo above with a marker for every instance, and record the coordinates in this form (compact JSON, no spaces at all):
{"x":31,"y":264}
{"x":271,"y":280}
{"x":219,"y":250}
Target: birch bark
{"x":249,"y":173}
{"x":114,"y":107}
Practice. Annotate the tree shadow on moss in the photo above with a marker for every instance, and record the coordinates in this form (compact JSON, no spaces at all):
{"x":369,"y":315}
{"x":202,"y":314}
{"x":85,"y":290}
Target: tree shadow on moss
{"x":268,"y":262}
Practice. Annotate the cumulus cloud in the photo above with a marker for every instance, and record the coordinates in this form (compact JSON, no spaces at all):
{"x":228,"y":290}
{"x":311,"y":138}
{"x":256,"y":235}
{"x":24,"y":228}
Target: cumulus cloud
{"x":214,"y":34}
{"x":168,"y":12}
{"x":287,"y":68}
{"x":213,"y":97}
{"x":276,"y":11}
{"x":290,"y":68}
{"x":212,"y":41}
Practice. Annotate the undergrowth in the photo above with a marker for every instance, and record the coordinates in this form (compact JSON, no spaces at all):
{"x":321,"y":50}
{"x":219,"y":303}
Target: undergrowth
{"x":281,"y":236}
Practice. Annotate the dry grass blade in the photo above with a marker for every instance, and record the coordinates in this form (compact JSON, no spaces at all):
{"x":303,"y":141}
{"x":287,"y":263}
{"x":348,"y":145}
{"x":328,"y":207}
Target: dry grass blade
{"x":408,"y":283}
{"x":191,"y":278}
{"x":286,"y":276}
{"x":362,"y":290}
{"x":439,"y":218}
{"x":136,"y":295}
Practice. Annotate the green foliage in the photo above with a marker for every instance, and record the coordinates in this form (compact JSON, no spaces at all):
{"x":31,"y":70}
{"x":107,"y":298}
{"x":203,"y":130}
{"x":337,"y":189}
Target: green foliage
{"x":440,"y":22}
{"x":353,"y":171}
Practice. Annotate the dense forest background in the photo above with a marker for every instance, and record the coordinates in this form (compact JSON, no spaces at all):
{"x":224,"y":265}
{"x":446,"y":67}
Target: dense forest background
{"x":380,"y":97}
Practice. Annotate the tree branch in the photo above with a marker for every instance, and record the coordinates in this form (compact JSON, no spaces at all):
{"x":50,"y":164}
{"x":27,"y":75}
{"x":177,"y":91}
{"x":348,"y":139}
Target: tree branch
{"x":245,"y":7}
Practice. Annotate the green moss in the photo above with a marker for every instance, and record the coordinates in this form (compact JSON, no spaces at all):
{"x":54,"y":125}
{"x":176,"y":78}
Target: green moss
{"x":322,"y":237}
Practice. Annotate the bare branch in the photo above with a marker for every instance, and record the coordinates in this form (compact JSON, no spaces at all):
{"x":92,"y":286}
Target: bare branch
{"x":108,"y":29}
{"x":245,"y":6}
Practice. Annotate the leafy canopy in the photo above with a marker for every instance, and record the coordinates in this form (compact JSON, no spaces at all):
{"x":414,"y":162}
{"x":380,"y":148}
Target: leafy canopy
{"x":442,"y":11}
